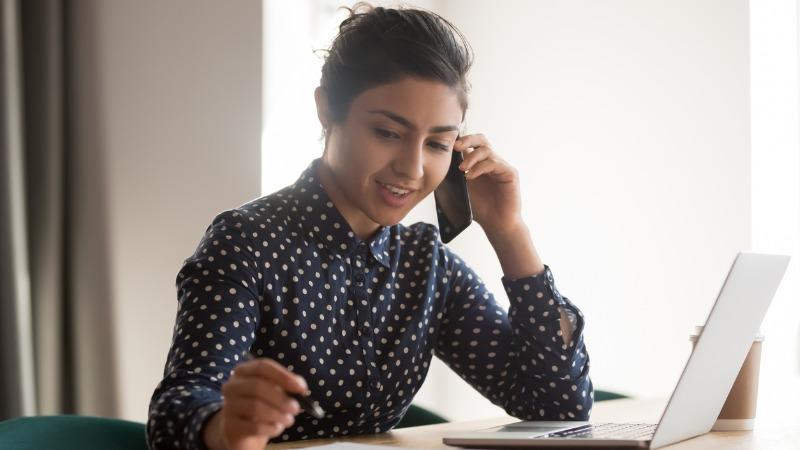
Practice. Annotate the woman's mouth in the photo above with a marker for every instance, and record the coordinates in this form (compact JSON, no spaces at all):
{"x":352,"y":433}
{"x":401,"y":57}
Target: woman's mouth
{"x":394,"y":195}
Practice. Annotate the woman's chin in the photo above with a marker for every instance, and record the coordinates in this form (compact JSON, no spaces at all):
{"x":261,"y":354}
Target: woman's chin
{"x":388,"y":218}
{"x":386,"y":215}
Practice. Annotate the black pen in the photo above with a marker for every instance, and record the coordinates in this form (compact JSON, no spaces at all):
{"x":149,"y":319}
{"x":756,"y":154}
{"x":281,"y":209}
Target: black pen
{"x":308,"y":404}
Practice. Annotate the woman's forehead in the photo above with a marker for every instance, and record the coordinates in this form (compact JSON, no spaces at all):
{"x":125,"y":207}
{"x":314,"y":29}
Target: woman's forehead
{"x":421,"y":103}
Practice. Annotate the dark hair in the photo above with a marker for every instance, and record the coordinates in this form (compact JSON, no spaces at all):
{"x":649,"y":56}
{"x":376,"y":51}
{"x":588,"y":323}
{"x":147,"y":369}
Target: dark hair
{"x":382,"y":45}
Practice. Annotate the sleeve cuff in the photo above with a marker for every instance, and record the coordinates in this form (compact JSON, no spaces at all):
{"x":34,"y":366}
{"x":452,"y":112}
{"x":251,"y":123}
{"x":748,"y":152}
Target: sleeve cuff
{"x":539,"y":288}
{"x":198,"y":420}
{"x":536,"y":305}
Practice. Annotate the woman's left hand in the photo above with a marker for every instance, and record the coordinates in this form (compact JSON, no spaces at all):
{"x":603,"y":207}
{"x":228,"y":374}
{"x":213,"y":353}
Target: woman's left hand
{"x":492,"y":183}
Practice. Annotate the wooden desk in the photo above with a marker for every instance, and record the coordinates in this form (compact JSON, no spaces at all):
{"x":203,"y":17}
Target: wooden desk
{"x":775,"y":429}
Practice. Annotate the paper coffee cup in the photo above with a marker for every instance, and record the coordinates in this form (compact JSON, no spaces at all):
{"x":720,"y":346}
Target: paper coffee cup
{"x":739,"y":411}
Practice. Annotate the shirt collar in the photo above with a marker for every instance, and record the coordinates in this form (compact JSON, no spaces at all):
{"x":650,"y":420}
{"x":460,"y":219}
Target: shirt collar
{"x":320,"y":219}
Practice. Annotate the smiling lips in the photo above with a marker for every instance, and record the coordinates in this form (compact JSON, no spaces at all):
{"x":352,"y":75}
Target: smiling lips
{"x":399,"y":190}
{"x":394,"y":195}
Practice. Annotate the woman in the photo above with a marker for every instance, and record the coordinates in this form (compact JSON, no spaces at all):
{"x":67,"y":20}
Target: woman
{"x":332,"y":295}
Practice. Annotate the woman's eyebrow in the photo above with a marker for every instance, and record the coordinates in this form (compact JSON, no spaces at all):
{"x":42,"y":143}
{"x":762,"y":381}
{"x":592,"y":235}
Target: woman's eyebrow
{"x":407,"y":123}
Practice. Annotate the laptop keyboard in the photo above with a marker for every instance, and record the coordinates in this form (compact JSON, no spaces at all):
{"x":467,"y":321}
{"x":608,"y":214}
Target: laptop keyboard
{"x":634,"y":431}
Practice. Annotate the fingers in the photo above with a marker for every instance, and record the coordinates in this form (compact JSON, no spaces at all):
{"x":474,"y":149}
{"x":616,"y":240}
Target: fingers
{"x":248,"y":420}
{"x":262,"y":389}
{"x":256,"y":402}
{"x":470,"y":140}
{"x":482,"y":159}
{"x":474,"y":157}
{"x":482,"y":167}
{"x":238,"y":428}
{"x":275,"y":372}
{"x":499,"y":169}
{"x":255,"y":410}
{"x":487,"y":166}
{"x":481,"y":150}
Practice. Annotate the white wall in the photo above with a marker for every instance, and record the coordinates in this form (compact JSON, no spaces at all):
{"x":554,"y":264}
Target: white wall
{"x":776,"y":183}
{"x":168,"y":126}
{"x":629,"y":123}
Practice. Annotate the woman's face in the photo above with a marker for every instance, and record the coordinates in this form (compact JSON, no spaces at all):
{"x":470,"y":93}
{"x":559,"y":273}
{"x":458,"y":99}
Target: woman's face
{"x":392,"y":150}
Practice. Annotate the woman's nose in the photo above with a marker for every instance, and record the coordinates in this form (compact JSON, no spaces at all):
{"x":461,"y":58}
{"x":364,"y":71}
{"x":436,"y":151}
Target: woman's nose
{"x":410,"y":164}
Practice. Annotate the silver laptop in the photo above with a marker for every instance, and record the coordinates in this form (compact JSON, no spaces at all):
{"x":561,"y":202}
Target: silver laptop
{"x":698,"y":397}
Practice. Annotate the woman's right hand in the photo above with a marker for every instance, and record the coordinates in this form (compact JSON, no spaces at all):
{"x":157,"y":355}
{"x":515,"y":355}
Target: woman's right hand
{"x":256,"y":407}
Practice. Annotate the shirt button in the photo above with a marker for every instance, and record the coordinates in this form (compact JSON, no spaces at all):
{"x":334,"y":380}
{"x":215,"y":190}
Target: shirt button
{"x":360,"y":278}
{"x":375,"y":384}
{"x":365,"y":330}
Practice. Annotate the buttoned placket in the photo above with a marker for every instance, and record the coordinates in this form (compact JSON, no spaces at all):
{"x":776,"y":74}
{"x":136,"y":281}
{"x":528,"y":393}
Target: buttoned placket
{"x":359,"y":285}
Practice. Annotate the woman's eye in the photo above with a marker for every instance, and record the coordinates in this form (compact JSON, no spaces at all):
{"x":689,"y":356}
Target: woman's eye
{"x":384,"y":133}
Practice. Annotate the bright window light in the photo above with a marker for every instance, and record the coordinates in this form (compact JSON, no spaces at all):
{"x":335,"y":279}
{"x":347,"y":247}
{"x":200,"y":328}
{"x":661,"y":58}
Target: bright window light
{"x":291,"y":130}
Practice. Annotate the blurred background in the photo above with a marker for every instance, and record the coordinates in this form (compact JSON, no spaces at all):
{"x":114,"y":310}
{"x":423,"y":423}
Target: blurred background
{"x":654,"y":139}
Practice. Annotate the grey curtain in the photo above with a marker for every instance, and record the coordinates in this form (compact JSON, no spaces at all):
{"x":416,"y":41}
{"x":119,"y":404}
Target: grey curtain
{"x":37,"y":349}
{"x":17,"y":394}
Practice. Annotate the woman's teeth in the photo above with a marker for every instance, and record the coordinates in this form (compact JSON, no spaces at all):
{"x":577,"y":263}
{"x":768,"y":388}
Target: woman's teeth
{"x":395,"y":190}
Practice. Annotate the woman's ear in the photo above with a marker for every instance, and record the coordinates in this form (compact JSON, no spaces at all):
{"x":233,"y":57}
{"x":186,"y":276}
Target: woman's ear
{"x":323,"y":113}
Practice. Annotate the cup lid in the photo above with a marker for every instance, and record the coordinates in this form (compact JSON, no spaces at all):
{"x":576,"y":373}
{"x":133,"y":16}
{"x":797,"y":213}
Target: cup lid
{"x":698,"y":330}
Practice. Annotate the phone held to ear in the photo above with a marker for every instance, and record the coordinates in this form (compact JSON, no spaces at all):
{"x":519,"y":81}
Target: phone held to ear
{"x":452,"y":201}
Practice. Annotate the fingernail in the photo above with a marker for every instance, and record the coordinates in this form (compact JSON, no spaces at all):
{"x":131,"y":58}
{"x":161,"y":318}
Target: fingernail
{"x":295,"y":406}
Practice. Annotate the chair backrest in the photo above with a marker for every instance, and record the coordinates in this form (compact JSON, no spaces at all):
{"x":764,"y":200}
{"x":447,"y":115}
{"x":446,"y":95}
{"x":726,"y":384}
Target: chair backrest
{"x":600,"y":396}
{"x":69,"y":432}
{"x":416,"y":416}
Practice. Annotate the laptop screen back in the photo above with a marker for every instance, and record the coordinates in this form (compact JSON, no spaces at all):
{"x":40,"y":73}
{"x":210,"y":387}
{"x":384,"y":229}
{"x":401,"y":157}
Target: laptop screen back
{"x":722,"y":347}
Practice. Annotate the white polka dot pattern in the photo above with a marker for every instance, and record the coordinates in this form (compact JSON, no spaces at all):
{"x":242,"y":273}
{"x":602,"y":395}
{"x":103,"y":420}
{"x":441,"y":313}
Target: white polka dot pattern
{"x":285,"y":277}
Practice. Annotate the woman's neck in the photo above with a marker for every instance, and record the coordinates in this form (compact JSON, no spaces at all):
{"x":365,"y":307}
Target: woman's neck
{"x":362,"y":226}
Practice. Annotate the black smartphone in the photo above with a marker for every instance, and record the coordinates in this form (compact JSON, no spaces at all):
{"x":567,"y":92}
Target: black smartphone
{"x":452,"y":201}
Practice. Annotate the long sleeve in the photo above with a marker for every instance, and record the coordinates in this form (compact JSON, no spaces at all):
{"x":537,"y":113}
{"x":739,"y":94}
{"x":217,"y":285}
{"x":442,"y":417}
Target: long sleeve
{"x":516,"y":359}
{"x":217,"y":316}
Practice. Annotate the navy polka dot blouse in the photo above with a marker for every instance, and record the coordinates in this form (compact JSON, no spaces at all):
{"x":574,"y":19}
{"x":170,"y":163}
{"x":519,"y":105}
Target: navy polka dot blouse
{"x":285,"y":277}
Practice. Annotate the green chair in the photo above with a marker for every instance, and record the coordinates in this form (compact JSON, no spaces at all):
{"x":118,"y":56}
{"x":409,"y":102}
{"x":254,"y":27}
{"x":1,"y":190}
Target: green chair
{"x":69,"y":432}
{"x":417,"y":416}
{"x":601,"y":396}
